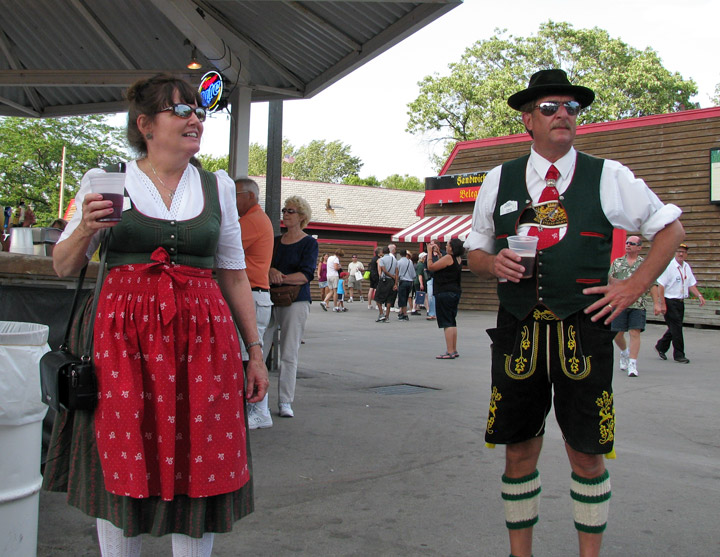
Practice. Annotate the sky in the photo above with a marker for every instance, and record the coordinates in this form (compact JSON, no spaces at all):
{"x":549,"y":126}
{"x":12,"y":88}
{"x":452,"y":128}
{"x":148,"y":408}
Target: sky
{"x":367,"y":109}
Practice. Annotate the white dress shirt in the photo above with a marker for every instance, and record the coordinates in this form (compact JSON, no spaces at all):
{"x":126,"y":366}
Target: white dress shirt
{"x":627,"y":201}
{"x":676,"y":279}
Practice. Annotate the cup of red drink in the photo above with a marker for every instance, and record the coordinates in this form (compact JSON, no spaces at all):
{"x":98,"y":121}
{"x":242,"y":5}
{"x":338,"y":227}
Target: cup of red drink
{"x":525,"y":247}
{"x":111,"y":185}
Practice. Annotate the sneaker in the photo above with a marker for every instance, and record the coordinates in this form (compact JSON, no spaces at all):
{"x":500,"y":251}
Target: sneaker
{"x":682,"y":360}
{"x":344,"y":309}
{"x":258,"y":420}
{"x":380,"y":319}
{"x":632,"y":370}
{"x":362,"y":299}
{"x":415,"y":312}
{"x":624,"y":360}
{"x":402,"y":317}
{"x":350,"y":300}
{"x":336,"y":309}
{"x":661,"y":353}
{"x":286,"y":410}
{"x":323,"y":305}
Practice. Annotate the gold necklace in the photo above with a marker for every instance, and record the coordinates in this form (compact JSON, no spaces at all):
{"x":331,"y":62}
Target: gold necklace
{"x":170,"y":192}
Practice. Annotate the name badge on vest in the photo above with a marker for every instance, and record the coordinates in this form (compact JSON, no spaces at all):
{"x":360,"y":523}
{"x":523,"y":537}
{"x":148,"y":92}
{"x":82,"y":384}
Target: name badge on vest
{"x":508,"y":207}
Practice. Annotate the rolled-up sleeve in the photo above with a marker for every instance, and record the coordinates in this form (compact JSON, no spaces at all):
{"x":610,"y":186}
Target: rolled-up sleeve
{"x":630,"y":204}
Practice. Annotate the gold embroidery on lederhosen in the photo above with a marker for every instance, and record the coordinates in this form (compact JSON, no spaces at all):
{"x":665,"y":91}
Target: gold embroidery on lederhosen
{"x":544,"y":315}
{"x":494,"y":398}
{"x":526,"y":360}
{"x":607,"y":418}
{"x":570,"y":364}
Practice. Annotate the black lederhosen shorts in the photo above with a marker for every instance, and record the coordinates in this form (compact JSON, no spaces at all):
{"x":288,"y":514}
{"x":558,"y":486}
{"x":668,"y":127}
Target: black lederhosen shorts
{"x":578,"y":380}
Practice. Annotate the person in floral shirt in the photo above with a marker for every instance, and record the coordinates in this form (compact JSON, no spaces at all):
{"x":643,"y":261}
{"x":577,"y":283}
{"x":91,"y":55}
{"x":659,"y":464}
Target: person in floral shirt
{"x":632,"y":318}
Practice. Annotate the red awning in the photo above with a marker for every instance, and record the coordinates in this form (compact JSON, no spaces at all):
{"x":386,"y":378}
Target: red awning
{"x":436,"y":228}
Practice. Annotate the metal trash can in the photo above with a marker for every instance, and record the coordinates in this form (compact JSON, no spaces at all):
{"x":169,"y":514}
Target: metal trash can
{"x":21,"y":414}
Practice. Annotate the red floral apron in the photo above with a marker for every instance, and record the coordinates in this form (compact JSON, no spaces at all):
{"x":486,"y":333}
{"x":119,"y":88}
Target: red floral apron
{"x":170,"y":417}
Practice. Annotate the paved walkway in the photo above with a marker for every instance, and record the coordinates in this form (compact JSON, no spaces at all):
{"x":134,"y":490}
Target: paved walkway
{"x":362,"y":473}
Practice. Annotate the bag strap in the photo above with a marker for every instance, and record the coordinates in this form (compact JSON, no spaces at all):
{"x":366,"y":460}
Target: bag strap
{"x":87,"y":352}
{"x":104,"y":236}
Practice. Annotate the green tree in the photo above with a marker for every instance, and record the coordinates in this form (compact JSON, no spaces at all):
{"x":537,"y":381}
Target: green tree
{"x":357,"y":181}
{"x":471,"y":102}
{"x":716,"y":99}
{"x":31,"y":158}
{"x":405,"y":182}
{"x":323,"y":161}
{"x":212,"y":164}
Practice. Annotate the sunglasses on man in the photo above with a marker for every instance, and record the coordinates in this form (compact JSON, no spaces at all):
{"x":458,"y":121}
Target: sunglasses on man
{"x":633,"y":244}
{"x":548,"y":108}
{"x":182,"y":110}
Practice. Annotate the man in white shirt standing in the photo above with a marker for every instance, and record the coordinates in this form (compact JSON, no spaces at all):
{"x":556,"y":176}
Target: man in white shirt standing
{"x":333,"y":277}
{"x":675,"y":283}
{"x":552,"y":325}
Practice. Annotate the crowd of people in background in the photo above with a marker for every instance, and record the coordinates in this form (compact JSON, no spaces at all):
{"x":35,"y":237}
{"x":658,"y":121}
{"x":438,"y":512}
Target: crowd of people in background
{"x":398,"y":281}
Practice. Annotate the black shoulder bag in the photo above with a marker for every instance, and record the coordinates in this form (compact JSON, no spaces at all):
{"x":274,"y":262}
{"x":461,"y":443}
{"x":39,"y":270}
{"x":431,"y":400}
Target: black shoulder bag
{"x":68,"y":381}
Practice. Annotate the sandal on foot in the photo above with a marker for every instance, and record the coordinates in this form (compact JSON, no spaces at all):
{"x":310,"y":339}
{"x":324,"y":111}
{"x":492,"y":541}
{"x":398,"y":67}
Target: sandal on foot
{"x":446,"y":356}
{"x":454,"y":354}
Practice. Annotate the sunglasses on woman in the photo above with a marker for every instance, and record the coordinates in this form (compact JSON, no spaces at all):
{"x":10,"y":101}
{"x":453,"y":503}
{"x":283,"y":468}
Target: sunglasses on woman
{"x":288,"y":211}
{"x":182,"y":110}
{"x":548,"y":108}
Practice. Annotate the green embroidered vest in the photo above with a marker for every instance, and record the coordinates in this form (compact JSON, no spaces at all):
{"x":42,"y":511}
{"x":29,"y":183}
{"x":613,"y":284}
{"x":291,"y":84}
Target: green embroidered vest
{"x":189,"y":242}
{"x":580,"y":260}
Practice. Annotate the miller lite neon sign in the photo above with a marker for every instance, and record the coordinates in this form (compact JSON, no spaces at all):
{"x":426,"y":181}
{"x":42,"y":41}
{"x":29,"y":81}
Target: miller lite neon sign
{"x":211,"y":90}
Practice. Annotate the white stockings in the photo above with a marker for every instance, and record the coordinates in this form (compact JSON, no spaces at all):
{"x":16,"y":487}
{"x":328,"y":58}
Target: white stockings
{"x":185,"y":546}
{"x":114,"y":544}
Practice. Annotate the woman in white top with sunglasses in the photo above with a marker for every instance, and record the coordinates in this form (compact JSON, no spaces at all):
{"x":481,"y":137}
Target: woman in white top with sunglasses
{"x":165,"y":451}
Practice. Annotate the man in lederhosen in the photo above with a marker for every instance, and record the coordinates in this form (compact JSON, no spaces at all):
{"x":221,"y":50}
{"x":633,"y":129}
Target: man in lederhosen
{"x":553,"y":337}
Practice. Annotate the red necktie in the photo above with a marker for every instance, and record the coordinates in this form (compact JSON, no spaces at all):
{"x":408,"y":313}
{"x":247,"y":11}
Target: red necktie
{"x":547,"y":236}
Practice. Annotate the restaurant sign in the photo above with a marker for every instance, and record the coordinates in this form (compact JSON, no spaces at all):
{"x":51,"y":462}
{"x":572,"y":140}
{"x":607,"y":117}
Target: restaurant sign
{"x":453,"y":188}
{"x":211,"y":91}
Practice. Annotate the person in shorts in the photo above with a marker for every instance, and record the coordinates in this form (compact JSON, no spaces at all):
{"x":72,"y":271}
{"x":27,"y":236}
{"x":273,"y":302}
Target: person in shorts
{"x":553,"y":345}
{"x":386,"y":291}
{"x":632,"y":319}
{"x":354,"y":284}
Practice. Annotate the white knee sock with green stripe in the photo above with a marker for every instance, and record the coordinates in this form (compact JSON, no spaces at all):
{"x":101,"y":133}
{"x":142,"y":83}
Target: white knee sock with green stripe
{"x":591,"y":502}
{"x":521,"y":500}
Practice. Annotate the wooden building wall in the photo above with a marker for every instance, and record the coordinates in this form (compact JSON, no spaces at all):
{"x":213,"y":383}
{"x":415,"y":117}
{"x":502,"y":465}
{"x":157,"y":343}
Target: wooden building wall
{"x":671,"y":154}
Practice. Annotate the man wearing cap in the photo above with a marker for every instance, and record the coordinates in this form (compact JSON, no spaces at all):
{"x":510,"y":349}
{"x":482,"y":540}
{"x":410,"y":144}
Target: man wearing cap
{"x":675,"y":283}
{"x":355,"y":283}
{"x":257,"y":240}
{"x":553,"y":343}
{"x":632,"y":319}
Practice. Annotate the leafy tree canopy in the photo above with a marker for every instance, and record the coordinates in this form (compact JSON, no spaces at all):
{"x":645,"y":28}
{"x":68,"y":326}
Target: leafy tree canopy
{"x":471,"y":102}
{"x":405,"y":182}
{"x":31,"y":158}
{"x":323,"y":161}
{"x":357,"y":181}
{"x":318,"y":161}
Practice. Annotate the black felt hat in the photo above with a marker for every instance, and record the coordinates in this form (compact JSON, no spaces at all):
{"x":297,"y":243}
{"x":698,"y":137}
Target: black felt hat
{"x":549,"y":82}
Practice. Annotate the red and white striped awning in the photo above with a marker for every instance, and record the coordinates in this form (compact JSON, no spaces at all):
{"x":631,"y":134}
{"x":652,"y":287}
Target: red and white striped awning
{"x":436,"y":228}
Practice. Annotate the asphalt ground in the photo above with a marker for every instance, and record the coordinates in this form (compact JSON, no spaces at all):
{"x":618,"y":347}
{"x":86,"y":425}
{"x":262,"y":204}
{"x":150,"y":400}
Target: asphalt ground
{"x":364,"y":469}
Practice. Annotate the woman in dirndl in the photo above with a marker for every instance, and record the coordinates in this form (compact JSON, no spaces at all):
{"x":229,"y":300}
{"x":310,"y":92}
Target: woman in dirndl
{"x":166,"y":449}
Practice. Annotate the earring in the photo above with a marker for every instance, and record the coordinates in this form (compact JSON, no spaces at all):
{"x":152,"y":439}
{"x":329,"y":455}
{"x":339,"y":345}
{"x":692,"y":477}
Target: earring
{"x":148,"y":135}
